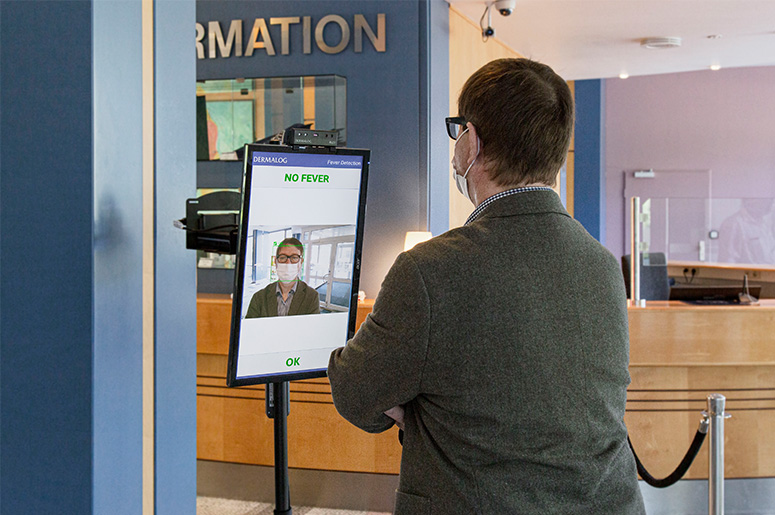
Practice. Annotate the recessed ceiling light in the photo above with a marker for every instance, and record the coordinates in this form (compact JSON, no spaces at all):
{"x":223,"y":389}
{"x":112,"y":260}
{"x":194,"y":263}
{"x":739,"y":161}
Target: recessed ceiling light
{"x":660,"y":43}
{"x":624,"y":75}
{"x":715,"y":67}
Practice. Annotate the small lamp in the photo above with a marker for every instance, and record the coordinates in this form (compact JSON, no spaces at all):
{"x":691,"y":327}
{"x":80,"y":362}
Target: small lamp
{"x":415,"y":237}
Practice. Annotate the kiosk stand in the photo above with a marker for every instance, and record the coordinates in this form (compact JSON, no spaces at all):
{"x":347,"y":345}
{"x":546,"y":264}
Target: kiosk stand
{"x":326,"y":187}
{"x":278,"y":407}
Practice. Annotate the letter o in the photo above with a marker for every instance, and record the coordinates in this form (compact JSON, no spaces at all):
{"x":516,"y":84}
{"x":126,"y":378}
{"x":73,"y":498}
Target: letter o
{"x":289,"y":362}
{"x":325,"y":20}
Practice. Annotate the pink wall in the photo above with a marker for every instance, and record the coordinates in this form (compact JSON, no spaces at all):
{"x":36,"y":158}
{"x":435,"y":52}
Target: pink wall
{"x":723,"y":121}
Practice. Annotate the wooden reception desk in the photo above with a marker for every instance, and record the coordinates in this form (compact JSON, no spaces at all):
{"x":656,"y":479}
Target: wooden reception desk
{"x":678,"y":354}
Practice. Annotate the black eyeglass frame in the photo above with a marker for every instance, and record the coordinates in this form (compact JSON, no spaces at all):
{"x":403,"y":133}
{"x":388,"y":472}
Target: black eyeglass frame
{"x":453,"y":122}
{"x":287,"y":258}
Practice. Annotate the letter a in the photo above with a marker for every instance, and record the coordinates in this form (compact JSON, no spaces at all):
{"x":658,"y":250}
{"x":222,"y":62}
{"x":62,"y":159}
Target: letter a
{"x":260,"y":29}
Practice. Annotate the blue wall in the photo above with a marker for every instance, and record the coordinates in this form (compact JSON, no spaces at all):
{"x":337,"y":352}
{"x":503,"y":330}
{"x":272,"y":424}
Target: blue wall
{"x":175,"y":285}
{"x":46,"y":283}
{"x":589,"y":153}
{"x":117,"y":257}
{"x":390,"y":99}
{"x":434,"y":80}
{"x":70,"y":288}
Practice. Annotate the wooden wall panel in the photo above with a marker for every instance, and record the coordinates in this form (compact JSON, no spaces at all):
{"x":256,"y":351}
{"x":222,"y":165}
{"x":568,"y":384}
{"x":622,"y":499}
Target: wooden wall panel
{"x":232,"y":425}
{"x":664,"y":406}
{"x":676,"y":360}
{"x":468,"y":53}
{"x":213,"y":323}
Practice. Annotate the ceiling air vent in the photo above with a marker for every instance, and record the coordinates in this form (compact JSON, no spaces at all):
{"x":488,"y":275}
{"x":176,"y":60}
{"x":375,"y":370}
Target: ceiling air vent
{"x":658,"y":43}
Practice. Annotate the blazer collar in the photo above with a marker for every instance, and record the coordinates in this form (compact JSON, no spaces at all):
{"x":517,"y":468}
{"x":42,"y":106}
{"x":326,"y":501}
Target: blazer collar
{"x":529,"y":202}
{"x":298,"y":295}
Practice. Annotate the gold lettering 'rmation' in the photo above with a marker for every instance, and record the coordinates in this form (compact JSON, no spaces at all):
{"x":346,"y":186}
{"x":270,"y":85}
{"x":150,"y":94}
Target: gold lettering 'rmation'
{"x":331,"y":28}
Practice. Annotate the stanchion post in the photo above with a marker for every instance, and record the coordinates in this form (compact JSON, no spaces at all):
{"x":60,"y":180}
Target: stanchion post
{"x":716,"y":417}
{"x":635,"y":218}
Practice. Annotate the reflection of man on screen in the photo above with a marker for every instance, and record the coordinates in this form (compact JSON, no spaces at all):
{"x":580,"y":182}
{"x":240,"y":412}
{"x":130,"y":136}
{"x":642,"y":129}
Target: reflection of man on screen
{"x":748,"y":236}
{"x":289,"y":295}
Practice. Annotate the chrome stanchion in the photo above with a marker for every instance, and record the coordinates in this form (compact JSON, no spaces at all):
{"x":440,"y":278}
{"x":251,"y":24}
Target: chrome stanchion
{"x":635,"y":218}
{"x":716,"y":416}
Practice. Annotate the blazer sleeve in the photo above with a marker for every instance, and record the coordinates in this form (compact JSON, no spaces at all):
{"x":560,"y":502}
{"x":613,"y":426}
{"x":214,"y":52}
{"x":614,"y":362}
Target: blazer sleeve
{"x":382,"y":366}
{"x":254,"y":308}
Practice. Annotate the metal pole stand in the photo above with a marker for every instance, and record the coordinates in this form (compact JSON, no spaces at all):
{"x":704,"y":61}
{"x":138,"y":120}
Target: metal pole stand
{"x":277,"y":407}
{"x":716,"y":416}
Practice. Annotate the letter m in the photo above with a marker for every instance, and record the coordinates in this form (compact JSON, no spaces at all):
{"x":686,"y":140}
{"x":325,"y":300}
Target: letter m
{"x":235,"y":34}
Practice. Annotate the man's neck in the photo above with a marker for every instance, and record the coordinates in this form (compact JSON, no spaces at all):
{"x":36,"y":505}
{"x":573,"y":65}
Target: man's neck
{"x":285,"y":287}
{"x":487,"y":189}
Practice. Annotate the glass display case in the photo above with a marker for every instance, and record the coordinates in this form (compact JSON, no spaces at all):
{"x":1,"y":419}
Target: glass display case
{"x":233,"y":112}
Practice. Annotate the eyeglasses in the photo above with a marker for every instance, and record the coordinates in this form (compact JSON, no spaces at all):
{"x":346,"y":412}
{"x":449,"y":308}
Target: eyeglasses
{"x":455,"y":126}
{"x":284,"y":258}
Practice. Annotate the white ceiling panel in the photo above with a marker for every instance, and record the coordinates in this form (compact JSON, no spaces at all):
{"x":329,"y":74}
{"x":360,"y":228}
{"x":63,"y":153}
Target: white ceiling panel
{"x":589,"y":39}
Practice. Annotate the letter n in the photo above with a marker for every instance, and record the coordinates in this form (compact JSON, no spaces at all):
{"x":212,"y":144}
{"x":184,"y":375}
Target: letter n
{"x":361,"y":26}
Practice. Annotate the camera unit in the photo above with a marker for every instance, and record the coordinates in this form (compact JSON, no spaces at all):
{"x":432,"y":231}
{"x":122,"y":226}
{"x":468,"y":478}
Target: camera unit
{"x":505,"y":7}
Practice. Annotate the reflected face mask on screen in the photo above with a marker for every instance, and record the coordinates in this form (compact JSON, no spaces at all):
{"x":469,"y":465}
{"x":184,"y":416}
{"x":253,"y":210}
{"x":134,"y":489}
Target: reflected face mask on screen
{"x":287,"y":272}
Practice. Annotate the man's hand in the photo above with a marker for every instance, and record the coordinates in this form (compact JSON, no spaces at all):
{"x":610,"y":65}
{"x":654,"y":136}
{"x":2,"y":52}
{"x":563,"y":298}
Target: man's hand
{"x":397,"y":414}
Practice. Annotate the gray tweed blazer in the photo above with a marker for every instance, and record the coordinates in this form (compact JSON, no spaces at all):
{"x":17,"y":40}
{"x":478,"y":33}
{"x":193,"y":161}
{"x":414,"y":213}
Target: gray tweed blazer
{"x":506,"y":342}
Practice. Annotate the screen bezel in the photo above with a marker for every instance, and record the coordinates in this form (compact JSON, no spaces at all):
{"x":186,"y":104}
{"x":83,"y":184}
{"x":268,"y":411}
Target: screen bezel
{"x":239,"y":275}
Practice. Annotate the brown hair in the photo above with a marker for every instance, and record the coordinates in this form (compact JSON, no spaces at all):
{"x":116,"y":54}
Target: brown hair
{"x":290,"y":242}
{"x":523,"y":113}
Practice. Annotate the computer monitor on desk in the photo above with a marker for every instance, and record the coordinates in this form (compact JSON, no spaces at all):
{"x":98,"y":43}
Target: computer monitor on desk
{"x":711,"y":294}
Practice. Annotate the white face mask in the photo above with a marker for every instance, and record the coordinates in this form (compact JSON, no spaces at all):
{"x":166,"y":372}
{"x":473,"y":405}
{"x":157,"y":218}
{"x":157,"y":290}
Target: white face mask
{"x":460,"y":180}
{"x":288,"y":272}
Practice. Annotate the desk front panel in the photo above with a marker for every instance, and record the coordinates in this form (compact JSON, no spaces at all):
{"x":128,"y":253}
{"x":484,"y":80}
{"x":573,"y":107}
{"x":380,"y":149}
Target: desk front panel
{"x":679,"y":354}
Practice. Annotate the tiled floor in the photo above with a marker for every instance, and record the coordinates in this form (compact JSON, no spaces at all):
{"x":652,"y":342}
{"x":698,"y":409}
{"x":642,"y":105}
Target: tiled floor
{"x":216,"y":506}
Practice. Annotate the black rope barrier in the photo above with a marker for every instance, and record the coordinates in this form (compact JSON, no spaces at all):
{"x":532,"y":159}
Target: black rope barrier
{"x":686,"y":462}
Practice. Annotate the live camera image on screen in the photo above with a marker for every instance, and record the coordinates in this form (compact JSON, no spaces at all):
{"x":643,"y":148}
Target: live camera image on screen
{"x":297,"y":261}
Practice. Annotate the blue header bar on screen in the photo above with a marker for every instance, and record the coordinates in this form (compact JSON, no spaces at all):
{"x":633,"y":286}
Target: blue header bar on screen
{"x":306,"y":160}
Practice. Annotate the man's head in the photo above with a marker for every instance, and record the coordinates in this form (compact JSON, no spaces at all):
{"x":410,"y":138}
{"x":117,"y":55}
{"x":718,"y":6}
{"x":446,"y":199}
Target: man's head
{"x":523,"y":115}
{"x":290,"y":255}
{"x":758,"y":208}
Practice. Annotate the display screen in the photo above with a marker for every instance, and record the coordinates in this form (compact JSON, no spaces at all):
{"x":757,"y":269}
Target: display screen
{"x":298,"y":263}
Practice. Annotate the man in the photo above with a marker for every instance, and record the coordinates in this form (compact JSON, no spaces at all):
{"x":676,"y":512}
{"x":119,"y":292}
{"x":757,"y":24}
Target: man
{"x":289,"y":295}
{"x":748,"y":236}
{"x":501,"y":346}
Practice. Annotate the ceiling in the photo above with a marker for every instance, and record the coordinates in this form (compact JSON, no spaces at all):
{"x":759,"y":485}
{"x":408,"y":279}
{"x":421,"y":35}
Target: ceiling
{"x":590,"y":39}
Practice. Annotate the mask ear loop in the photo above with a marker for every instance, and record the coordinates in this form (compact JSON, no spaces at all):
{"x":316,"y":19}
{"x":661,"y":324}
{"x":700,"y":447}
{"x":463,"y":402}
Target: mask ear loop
{"x":475,"y":158}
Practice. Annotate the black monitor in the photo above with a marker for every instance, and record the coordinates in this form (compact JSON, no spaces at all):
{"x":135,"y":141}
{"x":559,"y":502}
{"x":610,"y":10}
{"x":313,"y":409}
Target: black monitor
{"x":711,"y":294}
{"x":305,"y":205}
